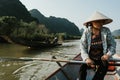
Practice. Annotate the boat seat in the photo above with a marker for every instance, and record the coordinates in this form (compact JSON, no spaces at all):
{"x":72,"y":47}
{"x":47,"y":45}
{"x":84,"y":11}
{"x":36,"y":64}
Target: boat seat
{"x":111,"y":67}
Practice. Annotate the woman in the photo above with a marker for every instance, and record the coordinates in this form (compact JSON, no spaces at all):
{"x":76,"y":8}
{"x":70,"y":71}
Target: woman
{"x":97,"y":46}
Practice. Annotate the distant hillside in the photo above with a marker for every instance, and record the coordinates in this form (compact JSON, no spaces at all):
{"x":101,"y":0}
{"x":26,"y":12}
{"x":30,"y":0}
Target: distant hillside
{"x":15,"y":8}
{"x":116,"y":33}
{"x":55,"y":24}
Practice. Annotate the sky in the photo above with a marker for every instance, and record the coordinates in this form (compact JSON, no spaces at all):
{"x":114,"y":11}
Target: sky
{"x":77,"y":11}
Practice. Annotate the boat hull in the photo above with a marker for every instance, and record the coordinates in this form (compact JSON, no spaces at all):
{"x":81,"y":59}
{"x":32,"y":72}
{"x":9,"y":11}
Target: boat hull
{"x":69,"y":69}
{"x":72,"y":72}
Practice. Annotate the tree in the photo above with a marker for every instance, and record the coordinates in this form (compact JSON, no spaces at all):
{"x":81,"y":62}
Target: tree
{"x":8,"y":24}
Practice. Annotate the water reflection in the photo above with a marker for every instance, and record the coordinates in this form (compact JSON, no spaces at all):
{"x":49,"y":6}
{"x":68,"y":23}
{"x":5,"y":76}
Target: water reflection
{"x":34,"y":70}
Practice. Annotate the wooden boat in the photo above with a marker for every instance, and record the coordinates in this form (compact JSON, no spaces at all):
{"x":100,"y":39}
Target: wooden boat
{"x":38,"y":44}
{"x":70,"y":71}
{"x":42,"y":45}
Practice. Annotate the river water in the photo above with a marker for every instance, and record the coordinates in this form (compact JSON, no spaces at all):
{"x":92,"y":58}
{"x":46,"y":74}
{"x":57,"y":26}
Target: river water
{"x":35,"y":70}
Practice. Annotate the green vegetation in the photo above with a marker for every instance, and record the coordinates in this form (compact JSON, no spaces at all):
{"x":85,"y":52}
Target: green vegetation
{"x":11,"y":27}
{"x":22,"y":31}
{"x":117,"y":37}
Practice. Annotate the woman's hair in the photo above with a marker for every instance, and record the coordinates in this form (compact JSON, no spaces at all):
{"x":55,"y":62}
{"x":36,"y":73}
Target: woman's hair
{"x":88,"y":24}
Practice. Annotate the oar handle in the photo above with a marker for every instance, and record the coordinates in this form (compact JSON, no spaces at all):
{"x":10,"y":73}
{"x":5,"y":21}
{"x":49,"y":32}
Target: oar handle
{"x":115,"y":59}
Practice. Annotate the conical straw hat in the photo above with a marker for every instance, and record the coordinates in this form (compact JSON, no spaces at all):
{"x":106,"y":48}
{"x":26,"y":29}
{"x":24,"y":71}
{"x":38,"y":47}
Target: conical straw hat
{"x":98,"y":16}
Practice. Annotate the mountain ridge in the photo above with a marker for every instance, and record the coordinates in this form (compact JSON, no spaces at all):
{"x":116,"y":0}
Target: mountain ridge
{"x":15,"y":8}
{"x":116,"y":33}
{"x":56,"y":24}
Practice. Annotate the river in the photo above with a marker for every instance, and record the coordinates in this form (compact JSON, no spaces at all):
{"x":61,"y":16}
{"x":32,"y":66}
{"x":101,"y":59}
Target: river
{"x":35,"y":70}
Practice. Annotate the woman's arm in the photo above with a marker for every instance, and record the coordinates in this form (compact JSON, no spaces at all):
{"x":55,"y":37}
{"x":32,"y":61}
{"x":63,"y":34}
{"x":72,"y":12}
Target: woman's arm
{"x":84,"y":46}
{"x":111,"y":44}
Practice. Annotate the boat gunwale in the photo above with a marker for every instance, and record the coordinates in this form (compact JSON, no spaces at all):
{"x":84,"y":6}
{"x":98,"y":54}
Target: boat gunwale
{"x":76,"y":58}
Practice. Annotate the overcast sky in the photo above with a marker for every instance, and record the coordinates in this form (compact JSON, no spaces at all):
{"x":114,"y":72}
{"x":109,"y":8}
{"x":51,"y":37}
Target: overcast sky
{"x":77,"y":11}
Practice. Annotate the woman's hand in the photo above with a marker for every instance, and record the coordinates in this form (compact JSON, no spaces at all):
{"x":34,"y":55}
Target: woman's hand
{"x":89,"y":62}
{"x":105,"y":57}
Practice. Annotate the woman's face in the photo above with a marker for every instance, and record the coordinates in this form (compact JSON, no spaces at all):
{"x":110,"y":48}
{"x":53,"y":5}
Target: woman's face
{"x":97,"y":24}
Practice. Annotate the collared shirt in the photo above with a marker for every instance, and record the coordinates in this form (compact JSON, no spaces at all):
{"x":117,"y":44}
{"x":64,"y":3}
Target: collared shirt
{"x":109,"y":44}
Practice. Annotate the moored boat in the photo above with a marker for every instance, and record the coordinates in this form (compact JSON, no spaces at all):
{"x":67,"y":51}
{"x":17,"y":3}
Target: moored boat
{"x":70,"y":71}
{"x":43,"y":45}
{"x":38,"y":44}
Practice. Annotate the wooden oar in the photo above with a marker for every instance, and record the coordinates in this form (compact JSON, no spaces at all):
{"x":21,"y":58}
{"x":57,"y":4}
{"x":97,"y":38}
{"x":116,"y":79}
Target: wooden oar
{"x":53,"y":60}
{"x":2,"y":59}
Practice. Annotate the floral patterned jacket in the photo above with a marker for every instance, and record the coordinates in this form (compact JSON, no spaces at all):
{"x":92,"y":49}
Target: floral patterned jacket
{"x":108,"y":42}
